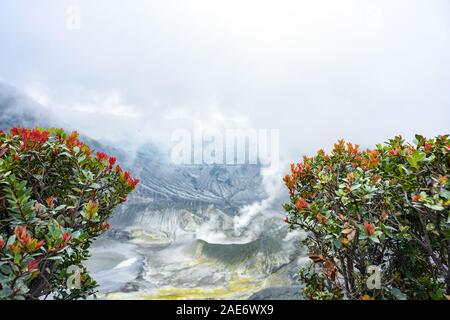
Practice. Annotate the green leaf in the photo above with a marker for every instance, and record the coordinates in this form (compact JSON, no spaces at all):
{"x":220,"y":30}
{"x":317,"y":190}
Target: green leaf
{"x":17,"y":258}
{"x":374,"y":238}
{"x":445,"y":194}
{"x":415,"y":158}
{"x":437,"y":207}
{"x":57,"y":258}
{"x":398,"y":294}
{"x":337,"y":244}
{"x":11,"y":240}
{"x":418,"y":139}
{"x":5,"y":292}
{"x":446,"y":230}
{"x":401,"y":166}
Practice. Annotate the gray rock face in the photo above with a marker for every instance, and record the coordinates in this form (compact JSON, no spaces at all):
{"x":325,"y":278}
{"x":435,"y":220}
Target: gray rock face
{"x":168,"y":185}
{"x":264,"y":254}
{"x":278,"y":293}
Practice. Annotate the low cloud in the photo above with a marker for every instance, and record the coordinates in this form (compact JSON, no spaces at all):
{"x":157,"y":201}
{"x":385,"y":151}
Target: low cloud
{"x":316,"y":70}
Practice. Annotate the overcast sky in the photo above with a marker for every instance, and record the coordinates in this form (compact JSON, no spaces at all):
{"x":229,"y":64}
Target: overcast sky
{"x":316,"y":70}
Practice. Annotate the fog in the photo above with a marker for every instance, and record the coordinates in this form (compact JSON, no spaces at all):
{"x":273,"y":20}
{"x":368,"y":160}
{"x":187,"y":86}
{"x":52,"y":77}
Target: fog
{"x":133,"y":71}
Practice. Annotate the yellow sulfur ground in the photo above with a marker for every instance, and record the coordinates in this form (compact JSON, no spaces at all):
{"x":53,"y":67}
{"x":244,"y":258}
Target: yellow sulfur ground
{"x":237,"y":288}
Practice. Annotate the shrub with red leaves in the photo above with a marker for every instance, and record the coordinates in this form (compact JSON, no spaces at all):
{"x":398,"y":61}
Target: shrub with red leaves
{"x":387,"y":207}
{"x":55,"y":198}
